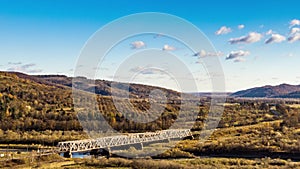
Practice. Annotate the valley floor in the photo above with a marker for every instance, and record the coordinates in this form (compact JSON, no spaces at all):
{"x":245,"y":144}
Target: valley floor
{"x":54,"y":161}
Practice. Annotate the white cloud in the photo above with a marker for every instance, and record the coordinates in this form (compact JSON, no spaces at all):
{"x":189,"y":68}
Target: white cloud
{"x":294,"y":30}
{"x":204,"y":53}
{"x":14,"y":63}
{"x":25,"y":68}
{"x":137,"y":44}
{"x":237,"y":55}
{"x":241,"y":26}
{"x":223,"y":30}
{"x":269,"y":32}
{"x":290,"y":54}
{"x":145,"y":70}
{"x":34,"y":71}
{"x":252,"y":37}
{"x":168,"y":48}
{"x":275,"y":38}
{"x":294,"y":37}
{"x":294,"y":22}
{"x":239,"y":59}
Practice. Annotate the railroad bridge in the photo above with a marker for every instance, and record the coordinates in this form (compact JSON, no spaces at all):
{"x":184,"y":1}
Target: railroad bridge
{"x":68,"y":147}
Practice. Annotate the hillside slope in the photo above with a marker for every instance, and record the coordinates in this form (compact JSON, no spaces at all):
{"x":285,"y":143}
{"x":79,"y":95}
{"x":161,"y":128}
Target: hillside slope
{"x":280,"y":91}
{"x":104,"y":87}
{"x":43,"y":103}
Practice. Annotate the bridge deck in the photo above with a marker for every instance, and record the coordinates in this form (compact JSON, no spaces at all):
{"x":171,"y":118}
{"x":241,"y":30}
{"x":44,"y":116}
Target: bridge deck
{"x":120,"y":140}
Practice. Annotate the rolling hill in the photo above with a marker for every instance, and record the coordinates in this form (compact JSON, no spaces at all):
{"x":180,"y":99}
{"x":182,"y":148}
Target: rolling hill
{"x":45,"y":102}
{"x":100,"y":87}
{"x":104,"y":87}
{"x":279,"y":91}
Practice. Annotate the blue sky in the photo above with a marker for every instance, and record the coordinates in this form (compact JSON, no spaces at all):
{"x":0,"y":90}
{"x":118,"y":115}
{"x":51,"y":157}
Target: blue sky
{"x":45,"y":37}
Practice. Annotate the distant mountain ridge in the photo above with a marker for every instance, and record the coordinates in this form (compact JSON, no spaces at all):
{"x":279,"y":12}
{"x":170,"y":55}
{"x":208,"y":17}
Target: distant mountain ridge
{"x":268,"y":91}
{"x":103,"y":87}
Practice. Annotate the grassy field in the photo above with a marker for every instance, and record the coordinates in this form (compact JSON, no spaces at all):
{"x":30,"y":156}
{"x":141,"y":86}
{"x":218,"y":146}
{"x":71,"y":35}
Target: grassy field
{"x":296,"y":106}
{"x":55,"y":161}
{"x":187,"y":153}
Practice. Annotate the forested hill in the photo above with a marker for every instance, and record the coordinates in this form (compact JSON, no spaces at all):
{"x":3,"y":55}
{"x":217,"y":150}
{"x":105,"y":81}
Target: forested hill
{"x":45,"y":102}
{"x":101,"y":87}
{"x":280,"y":91}
{"x":27,"y":103}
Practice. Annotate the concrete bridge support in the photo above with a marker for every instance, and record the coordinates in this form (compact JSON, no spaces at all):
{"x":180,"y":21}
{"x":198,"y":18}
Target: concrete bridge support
{"x":67,"y":154}
{"x":101,"y":152}
{"x":139,"y":146}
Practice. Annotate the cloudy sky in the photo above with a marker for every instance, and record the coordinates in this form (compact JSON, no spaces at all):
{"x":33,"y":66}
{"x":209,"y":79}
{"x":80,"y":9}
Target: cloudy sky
{"x":257,"y":42}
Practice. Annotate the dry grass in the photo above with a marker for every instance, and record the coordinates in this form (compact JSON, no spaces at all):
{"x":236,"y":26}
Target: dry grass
{"x":295,"y":106}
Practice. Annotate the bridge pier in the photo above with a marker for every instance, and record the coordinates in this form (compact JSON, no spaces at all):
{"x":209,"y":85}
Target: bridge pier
{"x":67,"y":154}
{"x":101,"y":152}
{"x":108,"y":152}
{"x":139,"y":146}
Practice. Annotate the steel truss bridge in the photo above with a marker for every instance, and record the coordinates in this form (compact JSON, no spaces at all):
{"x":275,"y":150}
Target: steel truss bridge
{"x":121,"y":140}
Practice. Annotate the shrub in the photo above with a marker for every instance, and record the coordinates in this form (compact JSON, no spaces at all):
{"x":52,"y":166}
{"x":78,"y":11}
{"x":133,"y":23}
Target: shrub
{"x":153,"y":164}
